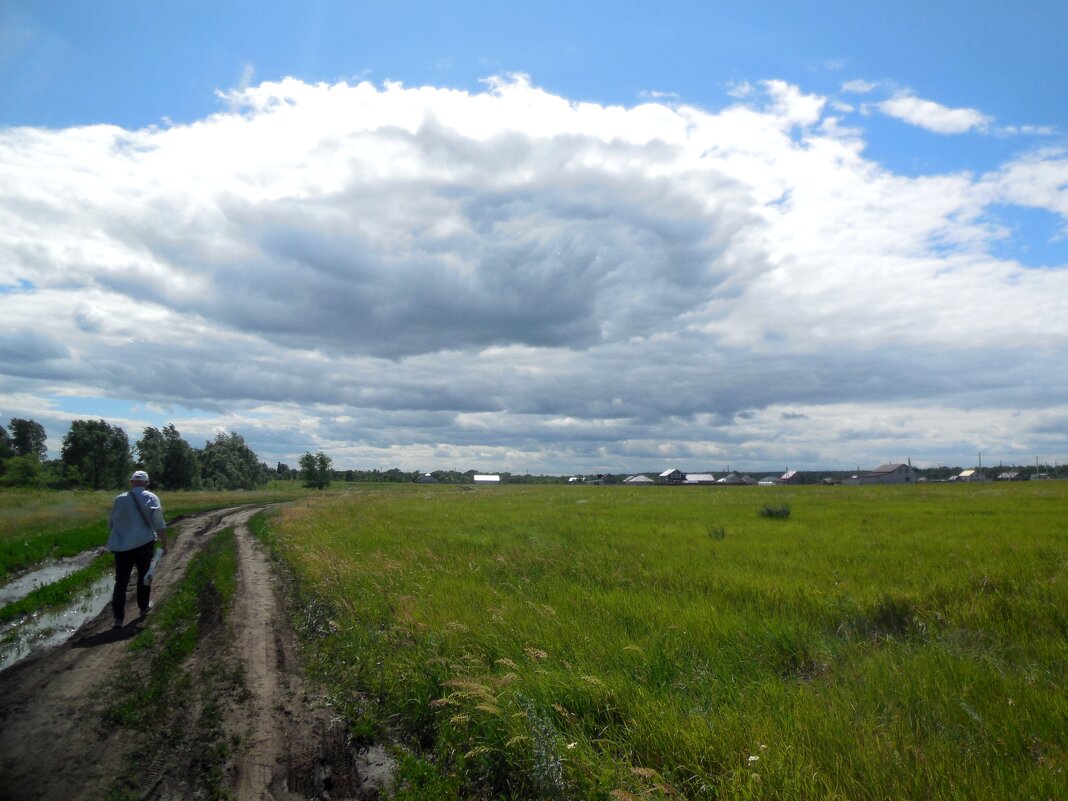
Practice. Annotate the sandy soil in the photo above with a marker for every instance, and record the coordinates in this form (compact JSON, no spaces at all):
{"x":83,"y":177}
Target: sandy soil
{"x":289,"y":746}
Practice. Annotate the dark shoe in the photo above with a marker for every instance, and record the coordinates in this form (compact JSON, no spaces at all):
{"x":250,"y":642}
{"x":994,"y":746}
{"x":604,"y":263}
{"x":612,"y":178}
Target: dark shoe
{"x":145,"y":610}
{"x":117,"y":624}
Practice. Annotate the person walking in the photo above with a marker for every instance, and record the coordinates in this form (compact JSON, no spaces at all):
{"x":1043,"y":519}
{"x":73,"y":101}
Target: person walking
{"x":135,"y":523}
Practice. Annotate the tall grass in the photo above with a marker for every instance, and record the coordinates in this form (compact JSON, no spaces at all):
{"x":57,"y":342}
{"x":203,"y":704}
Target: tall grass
{"x":883,"y":642}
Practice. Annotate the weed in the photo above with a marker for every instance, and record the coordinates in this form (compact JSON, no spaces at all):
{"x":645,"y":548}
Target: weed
{"x":780,"y":512}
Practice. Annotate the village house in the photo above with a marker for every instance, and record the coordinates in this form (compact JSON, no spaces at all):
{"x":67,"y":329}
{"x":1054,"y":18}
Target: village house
{"x":735,"y":480}
{"x":700,"y":478}
{"x":886,"y":474}
{"x":673,"y":476}
{"x":1014,"y":475}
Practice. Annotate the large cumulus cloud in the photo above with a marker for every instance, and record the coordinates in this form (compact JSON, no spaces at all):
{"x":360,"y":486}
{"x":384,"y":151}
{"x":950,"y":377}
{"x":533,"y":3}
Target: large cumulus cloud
{"x":425,"y":274}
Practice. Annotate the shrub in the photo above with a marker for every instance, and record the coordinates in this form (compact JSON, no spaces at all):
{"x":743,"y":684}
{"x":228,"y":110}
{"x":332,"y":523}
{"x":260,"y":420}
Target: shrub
{"x":777,"y":512}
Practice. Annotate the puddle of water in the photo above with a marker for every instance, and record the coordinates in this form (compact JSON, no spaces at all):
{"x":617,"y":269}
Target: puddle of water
{"x":51,"y":571}
{"x":54,"y":626}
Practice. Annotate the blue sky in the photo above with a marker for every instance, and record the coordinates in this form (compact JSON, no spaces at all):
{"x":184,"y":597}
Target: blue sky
{"x":880,"y":176}
{"x":133,"y":64}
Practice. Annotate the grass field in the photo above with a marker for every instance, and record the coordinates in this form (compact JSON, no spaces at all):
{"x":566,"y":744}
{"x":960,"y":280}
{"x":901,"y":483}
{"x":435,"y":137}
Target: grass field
{"x":611,"y":642}
{"x":39,"y":524}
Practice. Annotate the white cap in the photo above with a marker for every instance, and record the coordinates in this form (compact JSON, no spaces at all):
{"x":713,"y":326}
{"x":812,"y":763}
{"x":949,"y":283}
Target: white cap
{"x":139,"y":475}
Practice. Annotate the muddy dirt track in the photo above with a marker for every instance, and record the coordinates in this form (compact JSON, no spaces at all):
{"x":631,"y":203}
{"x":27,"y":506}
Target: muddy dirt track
{"x":284,"y":743}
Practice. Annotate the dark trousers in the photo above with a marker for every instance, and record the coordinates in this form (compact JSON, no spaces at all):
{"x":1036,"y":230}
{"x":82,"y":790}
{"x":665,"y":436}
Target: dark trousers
{"x":125,"y":561}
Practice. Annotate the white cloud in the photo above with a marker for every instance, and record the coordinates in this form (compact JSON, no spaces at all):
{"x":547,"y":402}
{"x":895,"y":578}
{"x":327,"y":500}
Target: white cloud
{"x":513,"y":280}
{"x":740,"y":90}
{"x":858,"y":86}
{"x":1026,"y":130}
{"x":653,"y":94}
{"x":1038,"y":180}
{"x":248,"y":72}
{"x":933,"y":116}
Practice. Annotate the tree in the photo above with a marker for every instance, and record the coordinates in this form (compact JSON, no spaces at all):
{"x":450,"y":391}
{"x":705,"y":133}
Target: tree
{"x":227,"y":463}
{"x":6,"y":449}
{"x":96,"y":454}
{"x":28,"y":438}
{"x":316,"y":470}
{"x":181,"y":467}
{"x":151,"y":453}
{"x":168,"y":459}
{"x":23,"y":471}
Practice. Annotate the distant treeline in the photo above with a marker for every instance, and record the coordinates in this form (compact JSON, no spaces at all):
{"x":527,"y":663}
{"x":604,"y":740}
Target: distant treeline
{"x":397,"y":476}
{"x":97,"y":455}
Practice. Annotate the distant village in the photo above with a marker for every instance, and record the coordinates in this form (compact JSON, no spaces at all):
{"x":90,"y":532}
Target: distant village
{"x":891,"y":473}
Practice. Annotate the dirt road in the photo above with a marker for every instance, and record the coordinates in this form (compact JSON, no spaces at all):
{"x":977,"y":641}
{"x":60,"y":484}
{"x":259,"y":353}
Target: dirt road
{"x":281,"y":742}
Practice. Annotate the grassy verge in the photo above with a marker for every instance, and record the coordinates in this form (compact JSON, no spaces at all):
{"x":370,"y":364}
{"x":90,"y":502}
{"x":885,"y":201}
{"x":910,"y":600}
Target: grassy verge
{"x":535,"y":642}
{"x":177,"y":704}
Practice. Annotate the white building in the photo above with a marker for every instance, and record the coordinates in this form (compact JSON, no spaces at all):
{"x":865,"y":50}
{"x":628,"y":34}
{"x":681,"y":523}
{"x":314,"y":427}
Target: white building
{"x":486,"y":479}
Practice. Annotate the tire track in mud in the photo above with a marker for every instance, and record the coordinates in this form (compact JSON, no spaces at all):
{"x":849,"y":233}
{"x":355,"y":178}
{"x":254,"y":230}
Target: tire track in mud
{"x":295,"y":748}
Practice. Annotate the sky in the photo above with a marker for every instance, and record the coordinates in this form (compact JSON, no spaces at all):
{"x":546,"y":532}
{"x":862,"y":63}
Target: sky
{"x":562,"y":238}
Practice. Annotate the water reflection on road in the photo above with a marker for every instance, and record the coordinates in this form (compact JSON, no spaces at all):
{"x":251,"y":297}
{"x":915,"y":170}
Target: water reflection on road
{"x":51,"y":571}
{"x":52,"y":626}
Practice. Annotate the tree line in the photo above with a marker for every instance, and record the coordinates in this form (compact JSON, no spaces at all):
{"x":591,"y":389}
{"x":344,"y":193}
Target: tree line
{"x":316,"y":471}
{"x":97,"y":455}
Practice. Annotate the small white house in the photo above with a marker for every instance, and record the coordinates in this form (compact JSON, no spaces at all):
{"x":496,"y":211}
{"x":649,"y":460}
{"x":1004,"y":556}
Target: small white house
{"x":970,"y":475}
{"x":638,"y":479}
{"x":769,"y":481}
{"x":486,"y":479}
{"x":674,"y":475}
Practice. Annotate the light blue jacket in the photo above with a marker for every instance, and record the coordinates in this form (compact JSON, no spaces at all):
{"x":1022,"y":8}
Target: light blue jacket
{"x":127,"y":529}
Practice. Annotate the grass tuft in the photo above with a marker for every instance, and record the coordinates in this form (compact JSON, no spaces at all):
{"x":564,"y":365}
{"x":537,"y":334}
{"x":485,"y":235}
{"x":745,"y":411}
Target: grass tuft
{"x":780,"y":512}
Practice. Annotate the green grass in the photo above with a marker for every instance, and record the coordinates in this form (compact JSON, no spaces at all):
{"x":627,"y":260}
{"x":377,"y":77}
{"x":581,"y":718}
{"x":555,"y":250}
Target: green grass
{"x":535,"y":642}
{"x":41,"y":524}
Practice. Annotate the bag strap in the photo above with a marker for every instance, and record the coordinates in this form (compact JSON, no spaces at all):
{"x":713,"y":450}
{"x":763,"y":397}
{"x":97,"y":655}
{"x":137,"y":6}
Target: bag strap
{"x":141,"y":510}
